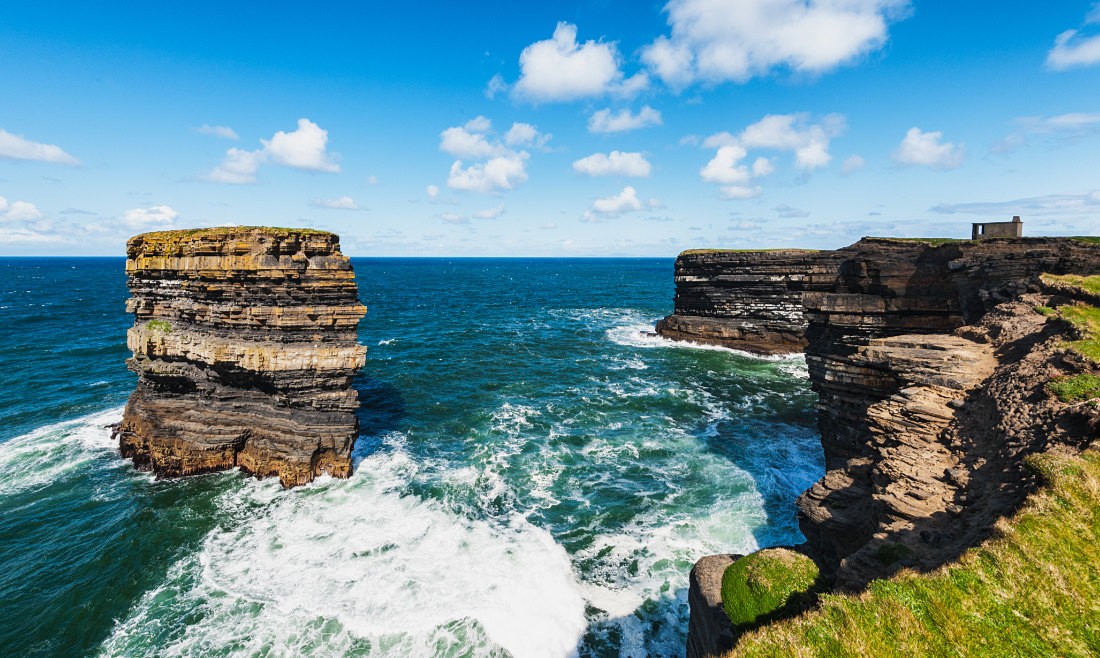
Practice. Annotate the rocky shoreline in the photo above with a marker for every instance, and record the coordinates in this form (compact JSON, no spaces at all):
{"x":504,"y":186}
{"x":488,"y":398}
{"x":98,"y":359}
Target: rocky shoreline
{"x":930,"y":363}
{"x":244,"y":343}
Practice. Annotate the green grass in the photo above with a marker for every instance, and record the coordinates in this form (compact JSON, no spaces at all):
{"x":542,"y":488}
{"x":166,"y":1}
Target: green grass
{"x":763,"y":582}
{"x":160,"y":325}
{"x":935,"y":242}
{"x":1089,"y":284}
{"x":1034,"y":590}
{"x":1045,"y":311}
{"x":742,"y":251}
{"x":1091,"y":239}
{"x":215,"y":231}
{"x":1086,"y":320}
{"x":1084,"y":386}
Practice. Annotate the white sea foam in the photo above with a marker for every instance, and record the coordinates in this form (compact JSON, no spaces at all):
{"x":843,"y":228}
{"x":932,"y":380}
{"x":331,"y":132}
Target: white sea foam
{"x":631,"y":331}
{"x":48,"y":453}
{"x":388,"y":341}
{"x":342,"y":564}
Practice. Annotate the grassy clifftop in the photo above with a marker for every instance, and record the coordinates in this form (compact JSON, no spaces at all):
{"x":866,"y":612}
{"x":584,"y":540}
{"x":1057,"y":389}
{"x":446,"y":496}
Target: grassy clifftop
{"x":1032,"y":591}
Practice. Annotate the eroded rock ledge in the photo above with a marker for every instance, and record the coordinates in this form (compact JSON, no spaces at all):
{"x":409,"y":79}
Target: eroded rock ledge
{"x":244,"y":344}
{"x":930,"y":362}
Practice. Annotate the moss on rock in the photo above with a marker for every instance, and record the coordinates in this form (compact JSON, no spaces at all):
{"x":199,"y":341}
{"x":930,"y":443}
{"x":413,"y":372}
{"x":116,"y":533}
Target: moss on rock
{"x":763,"y":582}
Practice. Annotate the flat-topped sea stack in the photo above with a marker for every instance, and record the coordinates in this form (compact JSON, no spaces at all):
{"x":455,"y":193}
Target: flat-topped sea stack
{"x":244,"y":344}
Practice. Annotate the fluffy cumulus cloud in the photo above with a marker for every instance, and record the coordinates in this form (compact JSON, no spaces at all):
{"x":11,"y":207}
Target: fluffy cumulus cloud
{"x":500,"y":173}
{"x":713,"y":41}
{"x":625,"y":201}
{"x":18,"y":211}
{"x":16,"y":147}
{"x":149,"y":218}
{"x":490,"y":213}
{"x":852,"y":164}
{"x":808,"y":140}
{"x":615,"y":163}
{"x":1078,"y":47}
{"x":498,"y":164}
{"x":927,"y":149}
{"x":605,"y":121}
{"x":340,"y":203}
{"x":224,"y":132}
{"x":304,"y":148}
{"x":561,"y":69}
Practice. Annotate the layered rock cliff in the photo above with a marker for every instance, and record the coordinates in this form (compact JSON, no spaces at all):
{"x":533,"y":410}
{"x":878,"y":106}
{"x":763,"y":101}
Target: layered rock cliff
{"x":746,"y":300}
{"x":930,"y":363}
{"x":244,"y":343}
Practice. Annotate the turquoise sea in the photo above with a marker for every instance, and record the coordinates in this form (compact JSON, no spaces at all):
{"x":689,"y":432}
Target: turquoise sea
{"x":534,"y":477}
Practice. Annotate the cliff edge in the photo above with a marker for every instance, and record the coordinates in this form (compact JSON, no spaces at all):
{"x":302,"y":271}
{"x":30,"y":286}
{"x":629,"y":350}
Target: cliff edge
{"x":931,"y":364}
{"x":244,"y":343}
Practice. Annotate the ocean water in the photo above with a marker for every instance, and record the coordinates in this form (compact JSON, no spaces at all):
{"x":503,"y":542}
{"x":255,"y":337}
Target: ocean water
{"x":534,"y":477}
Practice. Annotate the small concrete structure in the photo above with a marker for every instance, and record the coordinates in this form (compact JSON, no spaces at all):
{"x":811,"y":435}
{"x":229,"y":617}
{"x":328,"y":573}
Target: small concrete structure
{"x":1013,"y":229}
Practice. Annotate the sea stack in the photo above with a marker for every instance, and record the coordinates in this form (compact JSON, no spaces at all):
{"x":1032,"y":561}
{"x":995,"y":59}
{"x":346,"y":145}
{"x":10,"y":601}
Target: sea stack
{"x":244,"y":344}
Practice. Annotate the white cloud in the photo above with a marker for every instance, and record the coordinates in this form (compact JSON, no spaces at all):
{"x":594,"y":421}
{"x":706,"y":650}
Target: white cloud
{"x":927,"y":149}
{"x":793,"y":132}
{"x":19,"y":148}
{"x":762,"y":167}
{"x":786,"y":211}
{"x":524,"y":134}
{"x":740,"y":191}
{"x":1048,"y":205}
{"x":561,"y":69}
{"x":503,"y":167}
{"x":852,"y":164}
{"x":499,"y":173}
{"x":461,"y":142}
{"x":1073,"y":48}
{"x":224,"y":132}
{"x":726,"y":168}
{"x":454,"y":218}
{"x":604,"y":121}
{"x":341,"y":203}
{"x":239,"y":167}
{"x":490,"y":213}
{"x":714,"y":41}
{"x":432,"y":191}
{"x":615,"y":163}
{"x":304,"y":148}
{"x":19,"y":211}
{"x":496,"y":85}
{"x":148,"y":218}
{"x":625,"y":201}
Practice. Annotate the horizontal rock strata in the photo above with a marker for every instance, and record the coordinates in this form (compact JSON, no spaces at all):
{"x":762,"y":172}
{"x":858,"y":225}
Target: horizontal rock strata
{"x":929,"y":361}
{"x":746,"y":300}
{"x":244,"y":344}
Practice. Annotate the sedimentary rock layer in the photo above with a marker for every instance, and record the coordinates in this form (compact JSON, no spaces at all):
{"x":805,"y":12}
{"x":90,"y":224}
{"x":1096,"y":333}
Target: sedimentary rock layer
{"x":930,"y":363}
{"x":244,"y":343}
{"x":747,"y":300}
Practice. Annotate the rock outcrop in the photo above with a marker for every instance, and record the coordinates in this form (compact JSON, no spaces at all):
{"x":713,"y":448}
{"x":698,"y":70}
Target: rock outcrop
{"x":929,"y":361}
{"x":746,"y":300}
{"x":244,"y":343}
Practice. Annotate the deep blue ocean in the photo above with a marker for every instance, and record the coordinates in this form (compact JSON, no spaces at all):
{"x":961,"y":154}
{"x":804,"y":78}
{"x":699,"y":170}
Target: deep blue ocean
{"x":535,"y":476}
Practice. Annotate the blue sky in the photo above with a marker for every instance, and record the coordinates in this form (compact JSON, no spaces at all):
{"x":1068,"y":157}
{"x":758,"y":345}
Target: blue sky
{"x":548,"y":129}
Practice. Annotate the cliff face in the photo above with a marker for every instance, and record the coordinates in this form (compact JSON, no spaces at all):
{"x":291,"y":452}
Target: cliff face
{"x":930,"y":363}
{"x":244,"y":344}
{"x":929,"y":398}
{"x":747,"y":300}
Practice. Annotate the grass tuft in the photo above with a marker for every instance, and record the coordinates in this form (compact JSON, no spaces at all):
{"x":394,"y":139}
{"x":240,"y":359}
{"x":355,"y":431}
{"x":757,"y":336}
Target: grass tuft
{"x":763,"y":582}
{"x":160,"y":325}
{"x":1078,"y":388}
{"x":1031,"y":591}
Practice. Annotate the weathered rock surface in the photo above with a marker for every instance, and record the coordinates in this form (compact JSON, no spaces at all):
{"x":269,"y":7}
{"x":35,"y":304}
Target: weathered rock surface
{"x":710,"y":632}
{"x":930,"y":362}
{"x":244,"y":344}
{"x":746,"y":300}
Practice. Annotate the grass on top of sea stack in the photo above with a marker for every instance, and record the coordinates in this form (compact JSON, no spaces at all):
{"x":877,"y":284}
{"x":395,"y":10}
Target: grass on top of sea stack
{"x":763,"y":582}
{"x":1030,"y":591}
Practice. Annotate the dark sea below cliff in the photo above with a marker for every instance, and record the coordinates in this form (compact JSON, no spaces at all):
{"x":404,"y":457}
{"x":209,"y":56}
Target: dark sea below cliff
{"x":534,"y":476}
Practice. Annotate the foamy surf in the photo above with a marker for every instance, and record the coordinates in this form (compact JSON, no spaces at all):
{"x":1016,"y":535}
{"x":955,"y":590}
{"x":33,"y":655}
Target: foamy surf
{"x":357,"y":566}
{"x":48,"y":453}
